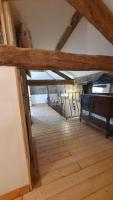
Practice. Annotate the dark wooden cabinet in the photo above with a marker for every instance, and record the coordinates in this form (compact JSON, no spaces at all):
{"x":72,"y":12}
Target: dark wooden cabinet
{"x":101,"y":105}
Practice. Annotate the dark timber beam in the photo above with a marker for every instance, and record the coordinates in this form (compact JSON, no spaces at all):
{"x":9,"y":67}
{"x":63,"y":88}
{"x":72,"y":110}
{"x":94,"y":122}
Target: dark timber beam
{"x":74,"y":22}
{"x":49,"y":82}
{"x":98,"y":14}
{"x":35,"y":59}
{"x":62,"y":74}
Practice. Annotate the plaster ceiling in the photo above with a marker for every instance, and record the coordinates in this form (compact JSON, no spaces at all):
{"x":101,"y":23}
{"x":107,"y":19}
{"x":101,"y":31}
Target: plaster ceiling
{"x":48,"y":19}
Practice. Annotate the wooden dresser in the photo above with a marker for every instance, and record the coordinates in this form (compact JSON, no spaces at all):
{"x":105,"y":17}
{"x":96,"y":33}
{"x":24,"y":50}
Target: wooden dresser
{"x":101,"y":105}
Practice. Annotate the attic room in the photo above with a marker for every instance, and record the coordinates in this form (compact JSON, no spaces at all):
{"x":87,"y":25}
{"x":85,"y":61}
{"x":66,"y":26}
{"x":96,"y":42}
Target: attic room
{"x":56,"y":103}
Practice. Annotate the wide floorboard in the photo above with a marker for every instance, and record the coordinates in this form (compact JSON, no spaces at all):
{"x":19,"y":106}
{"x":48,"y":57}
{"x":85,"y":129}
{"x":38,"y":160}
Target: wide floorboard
{"x":75,"y":160}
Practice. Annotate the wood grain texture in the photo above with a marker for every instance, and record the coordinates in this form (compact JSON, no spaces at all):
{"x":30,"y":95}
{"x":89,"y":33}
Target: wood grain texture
{"x":104,"y":194}
{"x":3,"y":27}
{"x":24,"y":39}
{"x":62,"y":74}
{"x":16,"y":193}
{"x":49,"y":82}
{"x":98,"y":14}
{"x":36,"y":59}
{"x":75,"y":160}
{"x":9,"y":25}
{"x":74,"y":22}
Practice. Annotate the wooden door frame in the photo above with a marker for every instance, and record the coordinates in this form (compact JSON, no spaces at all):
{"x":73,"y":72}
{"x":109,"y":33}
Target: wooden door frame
{"x":9,"y":39}
{"x":45,"y":60}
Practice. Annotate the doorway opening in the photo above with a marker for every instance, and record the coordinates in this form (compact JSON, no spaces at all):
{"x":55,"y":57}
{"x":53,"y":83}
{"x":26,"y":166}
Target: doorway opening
{"x":61,"y":142}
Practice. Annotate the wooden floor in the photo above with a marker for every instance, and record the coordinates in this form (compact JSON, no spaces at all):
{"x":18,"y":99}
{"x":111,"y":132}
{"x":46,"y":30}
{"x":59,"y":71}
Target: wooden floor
{"x":75,"y":160}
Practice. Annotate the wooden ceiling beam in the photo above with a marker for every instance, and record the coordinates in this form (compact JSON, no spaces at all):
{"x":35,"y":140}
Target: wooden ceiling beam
{"x":35,"y":59}
{"x":74,"y":22}
{"x":61,"y":74}
{"x":49,"y":82}
{"x":98,"y":14}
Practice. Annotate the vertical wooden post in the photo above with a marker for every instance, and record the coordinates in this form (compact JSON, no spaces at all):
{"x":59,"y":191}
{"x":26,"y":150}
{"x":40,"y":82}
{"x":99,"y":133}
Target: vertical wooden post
{"x":27,"y":110}
{"x":10,"y":39}
{"x":8,"y":23}
{"x":3,"y":26}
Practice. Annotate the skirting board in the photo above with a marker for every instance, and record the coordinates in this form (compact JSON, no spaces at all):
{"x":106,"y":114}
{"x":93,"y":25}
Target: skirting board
{"x":16,"y":193}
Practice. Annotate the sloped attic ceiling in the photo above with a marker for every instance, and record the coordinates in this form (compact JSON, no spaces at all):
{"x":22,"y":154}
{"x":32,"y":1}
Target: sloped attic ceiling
{"x":48,"y":19}
{"x":49,"y":75}
{"x":45,"y":75}
{"x":77,"y":74}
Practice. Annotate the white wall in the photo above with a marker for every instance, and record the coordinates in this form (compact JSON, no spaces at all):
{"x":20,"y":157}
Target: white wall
{"x":86,"y":39}
{"x":38,"y":99}
{"x":46,"y":19}
{"x":36,"y":75}
{"x":41,"y":98}
{"x":13,"y":166}
{"x":50,"y":18}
